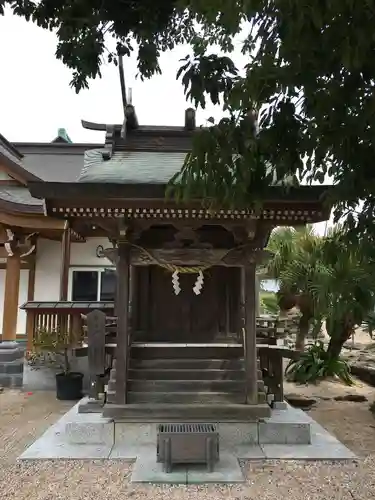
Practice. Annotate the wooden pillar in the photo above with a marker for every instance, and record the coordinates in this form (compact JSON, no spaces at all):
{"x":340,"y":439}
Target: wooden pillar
{"x":30,"y":296}
{"x":65,"y":262}
{"x":11,"y":293}
{"x":122,"y":354}
{"x":250,"y":355}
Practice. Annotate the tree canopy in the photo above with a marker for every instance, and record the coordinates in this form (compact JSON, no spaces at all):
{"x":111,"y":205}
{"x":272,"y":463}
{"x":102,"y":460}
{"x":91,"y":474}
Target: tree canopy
{"x":305,"y":103}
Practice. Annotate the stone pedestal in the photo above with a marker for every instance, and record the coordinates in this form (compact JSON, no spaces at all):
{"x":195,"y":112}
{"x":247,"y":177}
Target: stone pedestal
{"x":11,"y":364}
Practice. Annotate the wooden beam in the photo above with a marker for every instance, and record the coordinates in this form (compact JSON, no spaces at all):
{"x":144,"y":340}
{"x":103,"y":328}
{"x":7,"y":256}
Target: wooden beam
{"x":15,"y":176}
{"x":11,"y":294}
{"x":192,"y":256}
{"x":65,"y":262}
{"x":9,"y":182}
{"x":122,"y":303}
{"x":250,"y":355}
{"x":31,"y":222}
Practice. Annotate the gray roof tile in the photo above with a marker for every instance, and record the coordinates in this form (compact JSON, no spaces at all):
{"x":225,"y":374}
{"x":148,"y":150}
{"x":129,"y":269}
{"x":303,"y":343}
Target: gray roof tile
{"x":20,"y":195}
{"x":131,"y":167}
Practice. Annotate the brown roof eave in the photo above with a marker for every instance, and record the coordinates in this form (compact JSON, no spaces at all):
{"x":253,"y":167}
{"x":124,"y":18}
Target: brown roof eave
{"x":11,"y":147}
{"x":105,"y":191}
{"x":20,"y":208}
{"x":17,"y":169}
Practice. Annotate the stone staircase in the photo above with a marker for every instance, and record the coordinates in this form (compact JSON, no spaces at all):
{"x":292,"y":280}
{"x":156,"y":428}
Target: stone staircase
{"x":188,"y":375}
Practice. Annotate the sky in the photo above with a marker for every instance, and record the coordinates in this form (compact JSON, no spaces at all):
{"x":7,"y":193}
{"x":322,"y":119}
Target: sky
{"x":36,"y":99}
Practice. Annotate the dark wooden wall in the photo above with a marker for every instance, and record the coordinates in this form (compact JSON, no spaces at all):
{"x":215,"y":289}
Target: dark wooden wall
{"x":159,"y":315}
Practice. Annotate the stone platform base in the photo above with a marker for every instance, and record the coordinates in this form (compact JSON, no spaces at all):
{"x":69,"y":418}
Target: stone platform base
{"x":11,"y":364}
{"x":287,"y":426}
{"x":288,"y":434}
{"x":187,"y":412}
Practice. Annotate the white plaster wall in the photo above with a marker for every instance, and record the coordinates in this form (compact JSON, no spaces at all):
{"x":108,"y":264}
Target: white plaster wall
{"x":84,"y":254}
{"x":47,"y":270}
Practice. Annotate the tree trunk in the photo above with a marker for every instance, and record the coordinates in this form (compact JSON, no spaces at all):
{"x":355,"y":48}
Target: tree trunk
{"x":340,"y":332}
{"x":303,"y":330}
{"x":286,"y":300}
{"x":337,"y":341}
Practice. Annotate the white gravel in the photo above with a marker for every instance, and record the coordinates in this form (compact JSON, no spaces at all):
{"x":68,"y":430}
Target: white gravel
{"x":22,"y":418}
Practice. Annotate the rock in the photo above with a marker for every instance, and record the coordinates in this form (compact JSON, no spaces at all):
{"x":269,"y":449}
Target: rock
{"x":1,"y":389}
{"x":356,"y":398}
{"x":300,"y":401}
{"x":364,"y":372}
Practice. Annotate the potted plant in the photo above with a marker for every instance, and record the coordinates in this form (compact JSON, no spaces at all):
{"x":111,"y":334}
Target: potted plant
{"x":57,"y":341}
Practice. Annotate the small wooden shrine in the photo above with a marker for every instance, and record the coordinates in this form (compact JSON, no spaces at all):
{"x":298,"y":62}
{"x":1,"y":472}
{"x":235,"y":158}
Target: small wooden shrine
{"x":185,"y":343}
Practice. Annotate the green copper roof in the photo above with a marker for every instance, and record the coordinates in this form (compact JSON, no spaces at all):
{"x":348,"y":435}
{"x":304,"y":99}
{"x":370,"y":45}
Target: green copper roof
{"x":62,"y":136}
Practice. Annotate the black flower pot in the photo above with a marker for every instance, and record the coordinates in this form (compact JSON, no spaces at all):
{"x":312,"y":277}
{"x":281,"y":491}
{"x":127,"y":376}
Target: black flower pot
{"x":69,"y":386}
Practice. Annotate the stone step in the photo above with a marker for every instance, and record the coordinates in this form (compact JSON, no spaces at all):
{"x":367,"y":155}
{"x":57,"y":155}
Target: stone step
{"x":196,"y":386}
{"x":156,"y":412}
{"x":185,"y":397}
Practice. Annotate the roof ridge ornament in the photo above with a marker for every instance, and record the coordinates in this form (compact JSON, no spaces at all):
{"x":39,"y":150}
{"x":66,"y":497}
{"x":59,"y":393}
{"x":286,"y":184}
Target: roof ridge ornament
{"x":130,"y":117}
{"x":109,"y":143}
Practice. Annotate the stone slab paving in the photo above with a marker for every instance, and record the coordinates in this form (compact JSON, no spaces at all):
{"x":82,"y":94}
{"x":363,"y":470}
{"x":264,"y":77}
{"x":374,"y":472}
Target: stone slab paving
{"x":90,"y":436}
{"x":147,"y":470}
{"x":227,"y":470}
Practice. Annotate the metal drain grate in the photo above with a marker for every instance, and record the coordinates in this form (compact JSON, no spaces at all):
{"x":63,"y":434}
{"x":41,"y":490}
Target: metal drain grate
{"x":187,"y":443}
{"x":187,"y":428}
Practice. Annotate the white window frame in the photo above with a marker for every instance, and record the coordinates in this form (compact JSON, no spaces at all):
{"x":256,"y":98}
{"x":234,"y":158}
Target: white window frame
{"x":99,"y":270}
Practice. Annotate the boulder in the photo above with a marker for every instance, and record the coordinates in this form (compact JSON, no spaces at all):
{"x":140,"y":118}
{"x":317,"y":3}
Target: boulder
{"x":364,"y":372}
{"x":300,"y":401}
{"x":356,"y":398}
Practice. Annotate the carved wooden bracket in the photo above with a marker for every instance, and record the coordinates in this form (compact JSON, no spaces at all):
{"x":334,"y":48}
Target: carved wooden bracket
{"x":192,"y":256}
{"x":187,"y":237}
{"x":15,"y":246}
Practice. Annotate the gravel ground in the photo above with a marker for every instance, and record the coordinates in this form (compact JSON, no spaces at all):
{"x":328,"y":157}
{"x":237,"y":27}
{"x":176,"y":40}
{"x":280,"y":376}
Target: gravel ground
{"x":24,"y":417}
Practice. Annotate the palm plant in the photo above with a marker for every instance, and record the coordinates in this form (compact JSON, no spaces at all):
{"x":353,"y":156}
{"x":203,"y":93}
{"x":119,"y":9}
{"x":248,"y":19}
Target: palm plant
{"x":326,"y":279}
{"x":295,"y":264}
{"x":347,"y":292}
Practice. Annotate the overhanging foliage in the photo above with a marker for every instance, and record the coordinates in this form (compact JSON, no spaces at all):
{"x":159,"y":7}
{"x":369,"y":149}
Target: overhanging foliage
{"x":309,"y":80}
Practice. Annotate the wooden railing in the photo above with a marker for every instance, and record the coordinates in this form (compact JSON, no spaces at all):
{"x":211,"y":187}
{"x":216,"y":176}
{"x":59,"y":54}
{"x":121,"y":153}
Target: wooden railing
{"x":271,"y":363}
{"x":66,"y":316}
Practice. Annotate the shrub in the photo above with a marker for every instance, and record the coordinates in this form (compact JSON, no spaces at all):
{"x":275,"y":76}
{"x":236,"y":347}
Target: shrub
{"x":314,"y":364}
